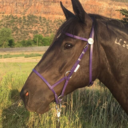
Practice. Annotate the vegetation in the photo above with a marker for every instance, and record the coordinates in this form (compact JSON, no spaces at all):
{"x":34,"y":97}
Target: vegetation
{"x":38,"y":40}
{"x":24,"y":28}
{"x":6,"y":40}
{"x":31,"y":30}
{"x":92,"y":107}
{"x":26,"y":31}
{"x":20,"y":55}
{"x":5,"y":37}
{"x":124,"y":12}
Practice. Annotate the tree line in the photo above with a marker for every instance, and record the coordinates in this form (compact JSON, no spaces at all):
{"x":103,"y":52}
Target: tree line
{"x":6,"y":40}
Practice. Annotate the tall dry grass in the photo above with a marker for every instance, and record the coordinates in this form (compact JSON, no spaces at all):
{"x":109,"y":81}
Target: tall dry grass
{"x":92,"y":107}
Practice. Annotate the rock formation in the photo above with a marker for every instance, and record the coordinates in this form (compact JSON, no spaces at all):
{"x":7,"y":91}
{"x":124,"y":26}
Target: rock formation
{"x":51,"y":8}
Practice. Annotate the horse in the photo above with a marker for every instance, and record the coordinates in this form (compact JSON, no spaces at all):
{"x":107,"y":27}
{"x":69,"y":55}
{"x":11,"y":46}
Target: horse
{"x":86,"y":47}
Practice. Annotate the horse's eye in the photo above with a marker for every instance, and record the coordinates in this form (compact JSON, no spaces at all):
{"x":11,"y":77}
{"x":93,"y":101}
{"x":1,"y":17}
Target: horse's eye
{"x":67,"y":46}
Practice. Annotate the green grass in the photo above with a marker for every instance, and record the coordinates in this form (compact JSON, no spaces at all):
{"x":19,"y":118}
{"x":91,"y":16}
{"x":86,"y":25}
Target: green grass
{"x":32,"y":55}
{"x":92,"y":107}
{"x":20,"y":55}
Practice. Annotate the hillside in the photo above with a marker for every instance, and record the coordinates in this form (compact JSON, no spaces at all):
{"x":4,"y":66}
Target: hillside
{"x":25,"y":27}
{"x":51,"y":8}
{"x":27,"y":18}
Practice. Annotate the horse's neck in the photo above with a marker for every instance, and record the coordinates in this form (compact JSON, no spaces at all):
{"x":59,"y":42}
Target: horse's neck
{"x":114,"y":66}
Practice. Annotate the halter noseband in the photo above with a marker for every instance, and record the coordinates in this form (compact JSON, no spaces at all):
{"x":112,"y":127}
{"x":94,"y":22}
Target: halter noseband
{"x":74,"y":68}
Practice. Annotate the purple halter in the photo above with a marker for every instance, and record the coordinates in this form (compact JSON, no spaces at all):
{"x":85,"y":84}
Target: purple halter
{"x":74,"y":68}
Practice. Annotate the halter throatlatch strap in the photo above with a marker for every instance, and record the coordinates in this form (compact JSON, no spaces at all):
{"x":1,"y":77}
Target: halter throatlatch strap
{"x":67,"y":78}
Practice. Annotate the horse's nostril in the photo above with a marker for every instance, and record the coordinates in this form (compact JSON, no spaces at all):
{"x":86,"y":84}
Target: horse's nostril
{"x":27,"y":94}
{"x":24,"y":93}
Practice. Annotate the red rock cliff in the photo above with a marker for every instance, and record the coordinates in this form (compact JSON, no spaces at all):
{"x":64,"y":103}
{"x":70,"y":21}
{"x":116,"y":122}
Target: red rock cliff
{"x":51,"y":8}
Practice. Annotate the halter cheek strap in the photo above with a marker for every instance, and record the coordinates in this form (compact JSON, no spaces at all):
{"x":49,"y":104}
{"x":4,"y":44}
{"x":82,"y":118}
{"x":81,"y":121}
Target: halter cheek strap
{"x":74,"y":68}
{"x":90,"y":42}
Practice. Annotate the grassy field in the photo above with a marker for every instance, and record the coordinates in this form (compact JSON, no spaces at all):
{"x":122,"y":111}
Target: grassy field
{"x":20,"y":55}
{"x":92,"y":107}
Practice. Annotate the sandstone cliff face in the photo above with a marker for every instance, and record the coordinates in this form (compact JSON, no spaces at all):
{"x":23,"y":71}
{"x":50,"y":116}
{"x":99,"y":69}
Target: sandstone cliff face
{"x":51,"y":8}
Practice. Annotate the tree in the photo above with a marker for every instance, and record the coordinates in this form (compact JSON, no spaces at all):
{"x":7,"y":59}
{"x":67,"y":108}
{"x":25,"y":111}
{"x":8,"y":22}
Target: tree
{"x":11,"y":43}
{"x":124,"y":12}
{"x":38,"y":40}
{"x":5,"y":36}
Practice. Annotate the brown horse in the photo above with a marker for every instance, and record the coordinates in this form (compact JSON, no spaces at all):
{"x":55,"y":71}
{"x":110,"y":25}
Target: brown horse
{"x":109,"y":62}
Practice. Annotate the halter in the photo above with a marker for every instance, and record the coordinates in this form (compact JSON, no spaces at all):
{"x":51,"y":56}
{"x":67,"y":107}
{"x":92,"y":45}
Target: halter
{"x":75,"y":67}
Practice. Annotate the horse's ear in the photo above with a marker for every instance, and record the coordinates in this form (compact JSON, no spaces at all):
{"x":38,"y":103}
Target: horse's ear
{"x":67,"y":13}
{"x":79,"y":11}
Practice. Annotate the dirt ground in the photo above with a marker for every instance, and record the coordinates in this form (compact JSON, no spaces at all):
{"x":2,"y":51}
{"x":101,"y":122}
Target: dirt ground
{"x":20,"y":59}
{"x":15,"y":53}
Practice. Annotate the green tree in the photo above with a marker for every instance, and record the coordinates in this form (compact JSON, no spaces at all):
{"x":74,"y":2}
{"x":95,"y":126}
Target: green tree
{"x":124,"y":12}
{"x":11,"y":43}
{"x":5,"y":36}
{"x":29,"y":42}
{"x":38,"y":39}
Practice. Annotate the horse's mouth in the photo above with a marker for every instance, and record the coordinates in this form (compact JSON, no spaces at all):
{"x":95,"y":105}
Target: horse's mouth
{"x":40,"y":110}
{"x":44,"y":111}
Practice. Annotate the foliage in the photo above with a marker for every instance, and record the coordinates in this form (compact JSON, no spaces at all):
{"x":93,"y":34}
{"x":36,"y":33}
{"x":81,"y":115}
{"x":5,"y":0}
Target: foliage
{"x":38,"y":40}
{"x":11,"y":43}
{"x":20,"y":55}
{"x":5,"y":36}
{"x":24,"y":28}
{"x":124,"y":12}
{"x":92,"y":107}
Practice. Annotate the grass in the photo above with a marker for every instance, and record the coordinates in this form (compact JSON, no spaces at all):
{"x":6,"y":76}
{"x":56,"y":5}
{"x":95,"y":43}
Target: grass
{"x":20,"y":55}
{"x":92,"y":107}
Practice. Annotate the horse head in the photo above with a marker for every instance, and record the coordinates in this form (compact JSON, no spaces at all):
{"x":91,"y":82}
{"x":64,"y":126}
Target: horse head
{"x":57,"y":62}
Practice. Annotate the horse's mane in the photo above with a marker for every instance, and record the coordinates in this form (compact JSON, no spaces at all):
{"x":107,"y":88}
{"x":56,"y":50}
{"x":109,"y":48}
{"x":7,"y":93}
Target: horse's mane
{"x":68,"y":26}
{"x":111,"y":22}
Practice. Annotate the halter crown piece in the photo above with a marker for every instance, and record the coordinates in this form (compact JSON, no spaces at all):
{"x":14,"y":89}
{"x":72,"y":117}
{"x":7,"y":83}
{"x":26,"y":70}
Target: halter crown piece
{"x":74,"y":68}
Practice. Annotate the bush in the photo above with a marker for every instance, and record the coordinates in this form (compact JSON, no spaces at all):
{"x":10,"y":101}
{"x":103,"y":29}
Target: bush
{"x":5,"y":36}
{"x":39,"y":40}
{"x":124,"y":12}
{"x":11,"y":43}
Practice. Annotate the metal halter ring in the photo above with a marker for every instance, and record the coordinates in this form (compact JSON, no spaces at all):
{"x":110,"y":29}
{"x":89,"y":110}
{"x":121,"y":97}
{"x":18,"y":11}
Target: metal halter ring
{"x":67,"y":73}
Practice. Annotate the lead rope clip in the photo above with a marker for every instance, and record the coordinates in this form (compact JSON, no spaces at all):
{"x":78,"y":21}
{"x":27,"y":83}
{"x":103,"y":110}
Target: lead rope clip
{"x":58,"y":109}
